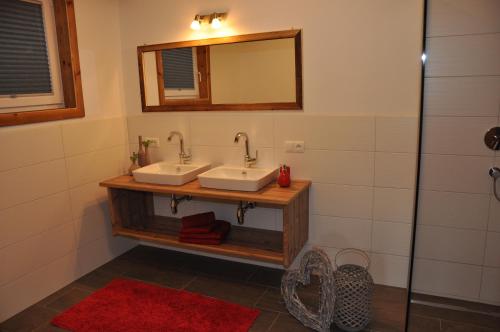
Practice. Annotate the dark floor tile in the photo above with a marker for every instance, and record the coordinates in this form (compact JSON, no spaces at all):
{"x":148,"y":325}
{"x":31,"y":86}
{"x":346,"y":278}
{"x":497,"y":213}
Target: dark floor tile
{"x":29,"y":319}
{"x":240,"y":283}
{"x":335,"y":328}
{"x":264,"y":321}
{"x":69,"y":299}
{"x":157,"y":257}
{"x":272,"y":301}
{"x":464,"y":317}
{"x":235,"y":292}
{"x":142,"y":271}
{"x":174,"y":279}
{"x":49,"y":328}
{"x":287,"y":323}
{"x":475,"y":306}
{"x":153,"y":274}
{"x":212,"y":267}
{"x":55,"y":295}
{"x":95,"y":279}
{"x":174,"y":259}
{"x":267,"y":277}
{"x":116,"y":267}
{"x":388,"y":308}
{"x":447,"y":326}
{"x":423,"y":324}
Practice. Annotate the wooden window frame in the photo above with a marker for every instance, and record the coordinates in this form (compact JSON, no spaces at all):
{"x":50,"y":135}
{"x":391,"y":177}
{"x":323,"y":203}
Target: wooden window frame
{"x":203,"y":68}
{"x":205,"y":104}
{"x":64,"y":14}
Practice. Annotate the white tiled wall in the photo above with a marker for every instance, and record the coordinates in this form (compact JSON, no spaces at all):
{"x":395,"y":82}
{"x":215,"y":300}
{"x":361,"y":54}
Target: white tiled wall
{"x":54,"y":221}
{"x":362,"y":169}
{"x":458,"y":233}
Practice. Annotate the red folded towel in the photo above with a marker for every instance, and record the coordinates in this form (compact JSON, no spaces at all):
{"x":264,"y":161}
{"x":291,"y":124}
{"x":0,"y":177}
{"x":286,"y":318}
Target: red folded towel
{"x":197,"y":220}
{"x":219,"y":232}
{"x":200,"y":241}
{"x":198,"y":230}
{"x":214,"y":237}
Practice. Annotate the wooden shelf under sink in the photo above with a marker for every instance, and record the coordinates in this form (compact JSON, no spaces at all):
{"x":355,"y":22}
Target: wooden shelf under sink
{"x":133,"y":215}
{"x":243,"y":242}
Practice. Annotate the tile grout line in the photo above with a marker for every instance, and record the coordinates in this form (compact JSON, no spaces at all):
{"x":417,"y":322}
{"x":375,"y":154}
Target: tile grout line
{"x":372,"y":224}
{"x":71,"y":204}
{"x":474,"y":34}
{"x":32,"y":164}
{"x":451,"y":262}
{"x":261,"y":296}
{"x":485,"y":247}
{"x":195,"y":277}
{"x":273,"y":322}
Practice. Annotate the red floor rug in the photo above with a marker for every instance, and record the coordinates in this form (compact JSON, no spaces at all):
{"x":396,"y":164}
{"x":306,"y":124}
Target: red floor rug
{"x":132,"y":306}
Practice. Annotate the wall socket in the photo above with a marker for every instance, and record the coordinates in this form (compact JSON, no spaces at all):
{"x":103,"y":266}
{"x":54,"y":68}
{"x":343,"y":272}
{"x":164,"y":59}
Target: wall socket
{"x":156,"y":141}
{"x":294,"y":146}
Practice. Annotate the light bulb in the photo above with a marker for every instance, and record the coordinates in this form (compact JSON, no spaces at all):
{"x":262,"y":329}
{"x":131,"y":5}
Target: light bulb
{"x":195,"y":25}
{"x":216,"y":23}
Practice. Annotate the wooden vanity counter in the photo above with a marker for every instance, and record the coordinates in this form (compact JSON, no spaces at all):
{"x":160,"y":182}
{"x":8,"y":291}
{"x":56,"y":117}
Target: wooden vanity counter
{"x":132,"y":215}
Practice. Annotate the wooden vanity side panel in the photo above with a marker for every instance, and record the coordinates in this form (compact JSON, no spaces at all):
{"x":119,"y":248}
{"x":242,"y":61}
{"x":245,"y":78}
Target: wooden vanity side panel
{"x":113,"y":203}
{"x":295,"y":226}
{"x":304,"y":218}
{"x":130,"y":208}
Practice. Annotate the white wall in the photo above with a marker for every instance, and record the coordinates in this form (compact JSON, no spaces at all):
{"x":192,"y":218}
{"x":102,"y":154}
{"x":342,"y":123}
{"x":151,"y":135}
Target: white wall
{"x":361,"y":64}
{"x":458,"y":234}
{"x":54,"y":221}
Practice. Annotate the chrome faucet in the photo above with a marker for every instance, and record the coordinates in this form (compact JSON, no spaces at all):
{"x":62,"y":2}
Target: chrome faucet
{"x":184,"y":158}
{"x":249,"y":161}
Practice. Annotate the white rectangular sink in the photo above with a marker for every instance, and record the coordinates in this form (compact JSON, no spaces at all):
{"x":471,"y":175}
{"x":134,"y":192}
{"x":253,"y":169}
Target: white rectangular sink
{"x":169,"y":173}
{"x":237,"y":178}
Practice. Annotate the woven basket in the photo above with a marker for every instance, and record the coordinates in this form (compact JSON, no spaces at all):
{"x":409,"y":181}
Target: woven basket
{"x":354,"y":290}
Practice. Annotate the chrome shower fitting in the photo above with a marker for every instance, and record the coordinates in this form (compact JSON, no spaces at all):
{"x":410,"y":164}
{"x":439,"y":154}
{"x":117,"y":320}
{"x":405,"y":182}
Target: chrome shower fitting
{"x":492,"y":138}
{"x":495,"y":174}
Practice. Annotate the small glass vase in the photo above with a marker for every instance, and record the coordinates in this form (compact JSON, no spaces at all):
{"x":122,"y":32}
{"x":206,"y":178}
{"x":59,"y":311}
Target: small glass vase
{"x":133,"y":166}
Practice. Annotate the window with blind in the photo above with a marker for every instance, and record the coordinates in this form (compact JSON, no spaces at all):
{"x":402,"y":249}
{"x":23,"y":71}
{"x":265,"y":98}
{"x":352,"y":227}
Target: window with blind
{"x":29,"y":63}
{"x":180,"y":73}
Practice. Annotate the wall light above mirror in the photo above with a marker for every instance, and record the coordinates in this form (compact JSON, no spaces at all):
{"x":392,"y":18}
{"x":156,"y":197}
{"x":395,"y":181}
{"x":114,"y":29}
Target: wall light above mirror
{"x":247,"y":72}
{"x":214,"y":19}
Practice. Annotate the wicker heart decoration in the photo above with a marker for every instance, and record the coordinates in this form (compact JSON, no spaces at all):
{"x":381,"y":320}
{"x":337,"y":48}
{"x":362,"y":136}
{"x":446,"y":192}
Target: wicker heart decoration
{"x":315,"y":260}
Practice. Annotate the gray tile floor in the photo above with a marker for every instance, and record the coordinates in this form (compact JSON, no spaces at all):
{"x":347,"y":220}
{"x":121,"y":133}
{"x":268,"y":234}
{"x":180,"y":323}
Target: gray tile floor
{"x":245,"y":284}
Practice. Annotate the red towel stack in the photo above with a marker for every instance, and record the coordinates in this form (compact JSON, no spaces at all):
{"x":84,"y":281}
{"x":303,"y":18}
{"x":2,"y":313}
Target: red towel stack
{"x":203,"y":229}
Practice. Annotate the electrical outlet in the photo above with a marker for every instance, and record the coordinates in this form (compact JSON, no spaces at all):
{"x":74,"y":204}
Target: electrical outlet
{"x":155,"y":141}
{"x":294,"y":146}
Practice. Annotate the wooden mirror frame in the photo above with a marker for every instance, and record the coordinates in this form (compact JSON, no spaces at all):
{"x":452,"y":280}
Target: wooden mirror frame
{"x":64,"y":14}
{"x":204,"y":104}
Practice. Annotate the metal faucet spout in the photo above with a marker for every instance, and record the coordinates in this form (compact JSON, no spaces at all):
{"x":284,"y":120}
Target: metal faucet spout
{"x":183,"y":156}
{"x":249,"y":161}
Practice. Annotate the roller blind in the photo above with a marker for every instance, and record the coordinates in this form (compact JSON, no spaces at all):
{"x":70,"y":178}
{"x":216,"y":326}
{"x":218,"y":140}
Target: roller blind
{"x":178,"y":68}
{"x":24,"y":62}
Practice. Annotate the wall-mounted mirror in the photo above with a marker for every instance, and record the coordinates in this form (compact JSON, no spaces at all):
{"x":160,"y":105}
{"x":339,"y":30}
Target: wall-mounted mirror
{"x":249,"y":72}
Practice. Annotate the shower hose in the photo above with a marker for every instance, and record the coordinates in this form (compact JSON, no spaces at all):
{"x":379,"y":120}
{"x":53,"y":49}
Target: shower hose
{"x":495,"y":191}
{"x":495,"y":174}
